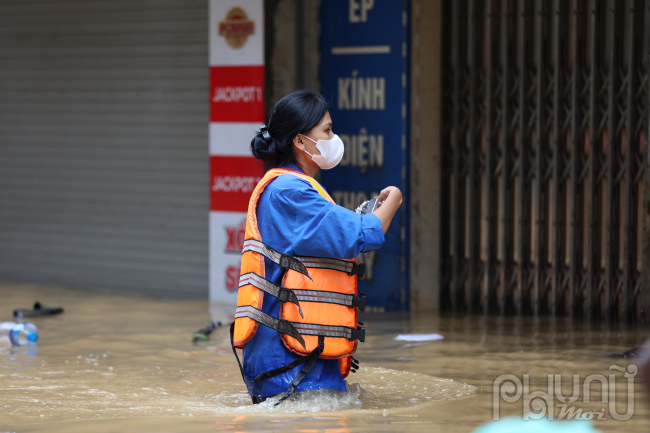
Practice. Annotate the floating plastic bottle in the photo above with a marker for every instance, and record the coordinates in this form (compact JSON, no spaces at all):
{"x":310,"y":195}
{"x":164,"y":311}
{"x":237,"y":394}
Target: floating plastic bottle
{"x":19,"y":334}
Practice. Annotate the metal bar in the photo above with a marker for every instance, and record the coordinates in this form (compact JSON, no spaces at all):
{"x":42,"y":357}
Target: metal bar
{"x":505,"y":191}
{"x":519,"y":161}
{"x":558,"y":148}
{"x":540,"y":143}
{"x":591,"y":191}
{"x":458,"y":137}
{"x":490,"y":198}
{"x":446,"y":117}
{"x":643,"y":311}
{"x":644,"y":308}
{"x":628,"y":217}
{"x":455,"y":201}
{"x":448,"y":92}
{"x":472,"y":245}
{"x":575,"y":199}
{"x":522,"y":247}
{"x":611,"y":226}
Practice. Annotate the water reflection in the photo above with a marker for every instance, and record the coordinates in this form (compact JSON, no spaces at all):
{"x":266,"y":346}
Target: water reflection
{"x":16,"y":352}
{"x":248,"y":424}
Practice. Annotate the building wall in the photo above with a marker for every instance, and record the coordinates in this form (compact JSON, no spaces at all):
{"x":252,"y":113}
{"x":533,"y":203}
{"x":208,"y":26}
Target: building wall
{"x":292,"y":47}
{"x":103,"y":145}
{"x":426,"y":210}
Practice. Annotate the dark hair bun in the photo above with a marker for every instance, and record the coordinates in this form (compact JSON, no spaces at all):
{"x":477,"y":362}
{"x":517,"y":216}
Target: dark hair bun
{"x":267,"y":151}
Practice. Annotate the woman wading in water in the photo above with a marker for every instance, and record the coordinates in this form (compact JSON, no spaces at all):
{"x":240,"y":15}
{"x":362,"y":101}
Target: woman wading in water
{"x":296,"y":317}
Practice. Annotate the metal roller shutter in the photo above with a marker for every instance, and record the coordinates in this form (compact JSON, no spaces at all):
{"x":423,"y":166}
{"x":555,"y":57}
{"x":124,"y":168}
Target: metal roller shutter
{"x":103,"y":144}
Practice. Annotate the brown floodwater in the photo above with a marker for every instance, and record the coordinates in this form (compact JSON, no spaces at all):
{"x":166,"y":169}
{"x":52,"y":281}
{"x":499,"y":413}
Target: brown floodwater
{"x":114,"y":363}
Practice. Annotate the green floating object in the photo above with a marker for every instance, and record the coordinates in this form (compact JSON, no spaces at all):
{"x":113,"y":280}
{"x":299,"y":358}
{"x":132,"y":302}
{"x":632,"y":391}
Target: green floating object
{"x":517,"y":425}
{"x":203,"y":334}
{"x":199,"y":336}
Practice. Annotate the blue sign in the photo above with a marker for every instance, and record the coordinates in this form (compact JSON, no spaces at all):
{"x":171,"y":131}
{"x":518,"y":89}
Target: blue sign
{"x":364,"y":73}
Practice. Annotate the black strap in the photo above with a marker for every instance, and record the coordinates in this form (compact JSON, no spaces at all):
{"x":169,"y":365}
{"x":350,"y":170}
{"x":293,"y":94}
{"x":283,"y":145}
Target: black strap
{"x":354,"y":364}
{"x":232,"y":344}
{"x":305,"y":370}
{"x":291,"y":365}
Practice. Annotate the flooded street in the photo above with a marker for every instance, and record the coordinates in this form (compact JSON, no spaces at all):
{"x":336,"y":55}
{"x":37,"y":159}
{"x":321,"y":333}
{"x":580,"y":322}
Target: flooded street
{"x":126,"y":364}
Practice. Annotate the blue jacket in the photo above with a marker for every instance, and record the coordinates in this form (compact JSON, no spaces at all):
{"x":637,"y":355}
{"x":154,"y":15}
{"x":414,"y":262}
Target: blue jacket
{"x":294,"y":219}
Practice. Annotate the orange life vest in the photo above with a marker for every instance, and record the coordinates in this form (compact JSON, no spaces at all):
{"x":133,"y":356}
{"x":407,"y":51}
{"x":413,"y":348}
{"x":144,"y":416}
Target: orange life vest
{"x":319,"y":296}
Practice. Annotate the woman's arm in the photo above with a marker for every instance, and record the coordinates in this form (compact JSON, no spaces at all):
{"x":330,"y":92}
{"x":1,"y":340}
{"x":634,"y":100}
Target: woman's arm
{"x":392,"y":200}
{"x":315,"y":227}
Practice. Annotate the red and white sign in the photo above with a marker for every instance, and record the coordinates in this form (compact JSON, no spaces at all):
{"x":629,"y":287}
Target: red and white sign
{"x":237,"y":93}
{"x":232,"y":181}
{"x":236,"y":113}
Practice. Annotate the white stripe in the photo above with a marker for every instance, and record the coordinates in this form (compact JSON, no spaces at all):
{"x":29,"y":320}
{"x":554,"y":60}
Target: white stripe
{"x":322,"y":294}
{"x":369,"y":49}
{"x":320,"y":262}
{"x":232,"y":139}
{"x":336,"y":301}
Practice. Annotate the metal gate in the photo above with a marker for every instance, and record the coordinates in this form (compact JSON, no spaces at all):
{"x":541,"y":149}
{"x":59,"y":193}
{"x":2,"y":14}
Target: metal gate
{"x":544,"y":133}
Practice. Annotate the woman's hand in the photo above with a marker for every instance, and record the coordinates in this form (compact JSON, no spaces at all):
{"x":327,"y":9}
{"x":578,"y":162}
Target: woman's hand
{"x":386,"y":192}
{"x":391,"y":198}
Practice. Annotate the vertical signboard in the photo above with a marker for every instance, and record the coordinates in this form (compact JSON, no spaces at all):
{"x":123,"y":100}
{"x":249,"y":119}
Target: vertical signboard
{"x":364,"y":70}
{"x":236,"y":113}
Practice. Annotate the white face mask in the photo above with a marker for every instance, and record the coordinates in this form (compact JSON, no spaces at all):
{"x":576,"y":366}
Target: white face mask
{"x":331,"y":152}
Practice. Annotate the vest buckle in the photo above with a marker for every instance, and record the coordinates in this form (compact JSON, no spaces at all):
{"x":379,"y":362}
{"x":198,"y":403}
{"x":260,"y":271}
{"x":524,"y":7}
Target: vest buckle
{"x":284,"y":327}
{"x":283,"y":294}
{"x":359,"y":301}
{"x":358,"y":334}
{"x":285,"y":261}
{"x":358,"y":269}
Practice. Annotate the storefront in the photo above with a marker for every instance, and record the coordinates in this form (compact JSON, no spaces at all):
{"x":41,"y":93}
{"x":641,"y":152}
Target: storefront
{"x":108,"y":110}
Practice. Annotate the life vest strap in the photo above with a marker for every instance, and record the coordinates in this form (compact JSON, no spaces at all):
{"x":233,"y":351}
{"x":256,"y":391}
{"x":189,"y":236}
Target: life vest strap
{"x":312,"y":358}
{"x":281,"y":326}
{"x":301,"y":263}
{"x":234,"y":351}
{"x":291,"y":365}
{"x":294,"y":329}
{"x":331,"y":331}
{"x":285,"y":261}
{"x":322,"y":296}
{"x":283,"y":294}
{"x":350,"y":268}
